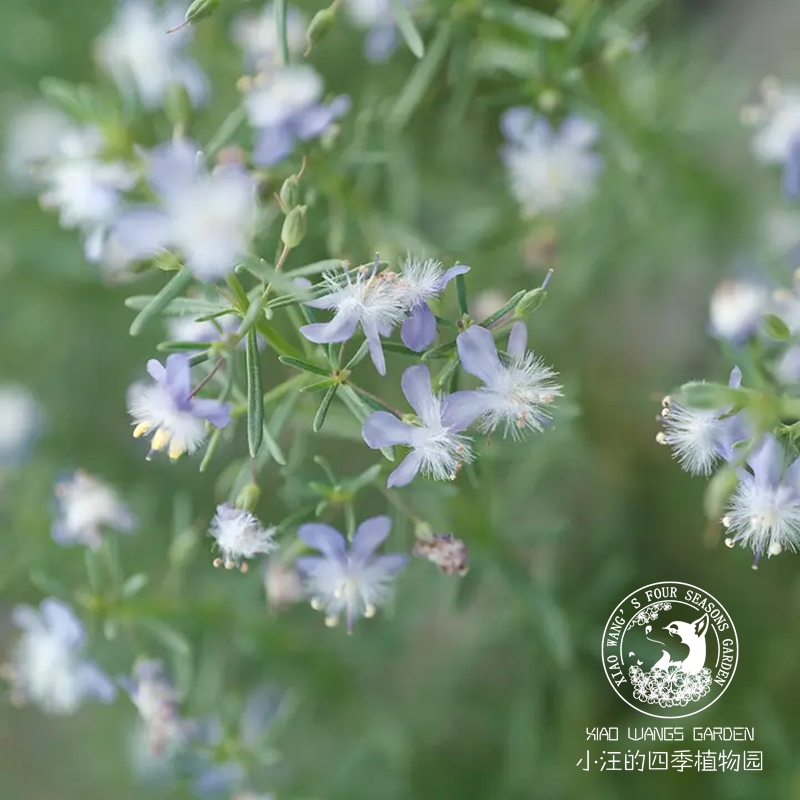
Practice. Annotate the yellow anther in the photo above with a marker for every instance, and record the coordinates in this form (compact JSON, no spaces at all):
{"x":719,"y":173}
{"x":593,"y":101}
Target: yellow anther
{"x":141,"y":429}
{"x":317,"y":605}
{"x":160,"y":439}
{"x":331,"y":622}
{"x":370,"y":611}
{"x":175,"y":450}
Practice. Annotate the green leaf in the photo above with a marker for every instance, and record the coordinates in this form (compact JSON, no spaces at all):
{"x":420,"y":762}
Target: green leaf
{"x":318,"y":385}
{"x":211,"y":447}
{"x":396,"y":347}
{"x":776,"y":328}
{"x":317,"y":268}
{"x":281,"y":28}
{"x":421,"y":77}
{"x":324,"y":407}
{"x":461,"y":291}
{"x":67,"y":96}
{"x":711,"y":396}
{"x":181,"y":306}
{"x":718,"y":491}
{"x":299,"y":363}
{"x":171,"y":290}
{"x":358,"y":356}
{"x":409,"y":31}
{"x":501,"y":312}
{"x":275,"y":340}
{"x":497,"y":55}
{"x":255,"y":403}
{"x":273,"y":447}
{"x":173,"y":640}
{"x":441,"y":351}
{"x":526,"y":20}
{"x":181,"y":347}
{"x":134,"y":584}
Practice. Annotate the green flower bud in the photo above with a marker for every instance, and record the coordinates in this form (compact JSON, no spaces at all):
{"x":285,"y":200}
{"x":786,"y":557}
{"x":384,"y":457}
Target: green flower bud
{"x":529,"y":303}
{"x":320,"y":25}
{"x":248,"y":498}
{"x":294,"y":227}
{"x":290,"y":194}
{"x":549,"y":100}
{"x":199,"y":9}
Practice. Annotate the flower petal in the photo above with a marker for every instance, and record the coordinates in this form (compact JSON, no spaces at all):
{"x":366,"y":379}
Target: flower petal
{"x":172,"y":167}
{"x":382,"y":429}
{"x":419,"y":328}
{"x":26,"y":618}
{"x":308,"y":565}
{"x":273,"y":145}
{"x":461,"y":409}
{"x":452,"y":272}
{"x":142,"y":232}
{"x":416,"y":385}
{"x":389,"y":564}
{"x":516,"y":122}
{"x":369,"y":535}
{"x":735,"y":379}
{"x":179,"y":377}
{"x":518,"y":340}
{"x":478,"y":353}
{"x":407,"y":471}
{"x":323,"y":538}
{"x":218,"y":414}
{"x":339,"y":329}
{"x":60,"y":619}
{"x":156,"y":370}
{"x":578,"y":131}
{"x":766,"y":462}
{"x":375,"y":347}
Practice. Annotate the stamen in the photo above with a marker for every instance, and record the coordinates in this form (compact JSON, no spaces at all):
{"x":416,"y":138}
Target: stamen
{"x":661,"y":437}
{"x":370,"y":611}
{"x":729,"y":542}
{"x":331,"y":622}
{"x":217,"y":562}
{"x":141,"y":429}
{"x":175,"y":450}
{"x":243,"y":567}
{"x":317,"y":604}
{"x":160,"y":439}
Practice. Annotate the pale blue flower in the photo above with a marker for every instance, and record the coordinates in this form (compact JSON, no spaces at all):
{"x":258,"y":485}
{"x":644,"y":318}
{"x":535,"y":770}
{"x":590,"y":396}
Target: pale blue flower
{"x":423,"y":281}
{"x":285,"y":109}
{"x":764,"y":511}
{"x":517,"y":392}
{"x":438,"y":448}
{"x":145,"y":60}
{"x":167,"y":408}
{"x":257,"y":35}
{"x":86,"y":505}
{"x":48,"y":667}
{"x":699,"y":437}
{"x":165,"y":731}
{"x":240,"y":537}
{"x":374,"y":300}
{"x":85,"y":188}
{"x":377,"y":18}
{"x":352,"y":582}
{"x":208,"y":217}
{"x":20,"y":423}
{"x":736,"y":310}
{"x":549,"y":169}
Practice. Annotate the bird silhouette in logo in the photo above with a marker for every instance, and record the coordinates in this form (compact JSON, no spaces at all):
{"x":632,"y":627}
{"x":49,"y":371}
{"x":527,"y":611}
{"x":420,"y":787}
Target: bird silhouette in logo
{"x":693,"y":635}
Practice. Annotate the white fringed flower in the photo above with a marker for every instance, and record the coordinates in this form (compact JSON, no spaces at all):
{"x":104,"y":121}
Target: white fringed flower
{"x":736,"y":309}
{"x":20,"y":419}
{"x":240,"y":537}
{"x":85,"y":506}
{"x":764,"y":512}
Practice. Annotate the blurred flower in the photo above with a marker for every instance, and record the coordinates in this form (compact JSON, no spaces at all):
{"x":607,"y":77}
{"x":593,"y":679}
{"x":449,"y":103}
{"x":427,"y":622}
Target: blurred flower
{"x":777,"y":139}
{"x":216,"y":780}
{"x":487,"y":302}
{"x":736,"y":310}
{"x":85,"y":506}
{"x":85,"y":189}
{"x":372,"y":300}
{"x":423,"y":281}
{"x":699,"y":438}
{"x":377,"y":17}
{"x":168,"y":409}
{"x":517,"y":393}
{"x":33,"y":137}
{"x":156,"y":699}
{"x":48,"y":668}
{"x":240,"y":537}
{"x":437,"y":447}
{"x":764,"y":512}
{"x":787,"y":369}
{"x":20,"y":420}
{"x":444,"y":550}
{"x":257,"y":35}
{"x":549,"y":169}
{"x":209,"y":217}
{"x":144,"y":59}
{"x":187,"y":329}
{"x":282,"y":585}
{"x":284,"y":107}
{"x":355,"y":583}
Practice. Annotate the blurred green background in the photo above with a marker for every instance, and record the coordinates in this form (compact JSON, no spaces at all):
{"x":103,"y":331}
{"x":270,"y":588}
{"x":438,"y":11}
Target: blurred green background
{"x":475,"y":688}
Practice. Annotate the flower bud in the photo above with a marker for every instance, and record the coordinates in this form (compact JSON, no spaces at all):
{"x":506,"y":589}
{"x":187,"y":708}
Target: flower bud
{"x":448,"y":553}
{"x":320,"y":25}
{"x":248,"y":498}
{"x":177,"y":105}
{"x":289,"y":193}
{"x":529,"y":303}
{"x":549,"y":100}
{"x":200,"y":9}
{"x":294,"y":227}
